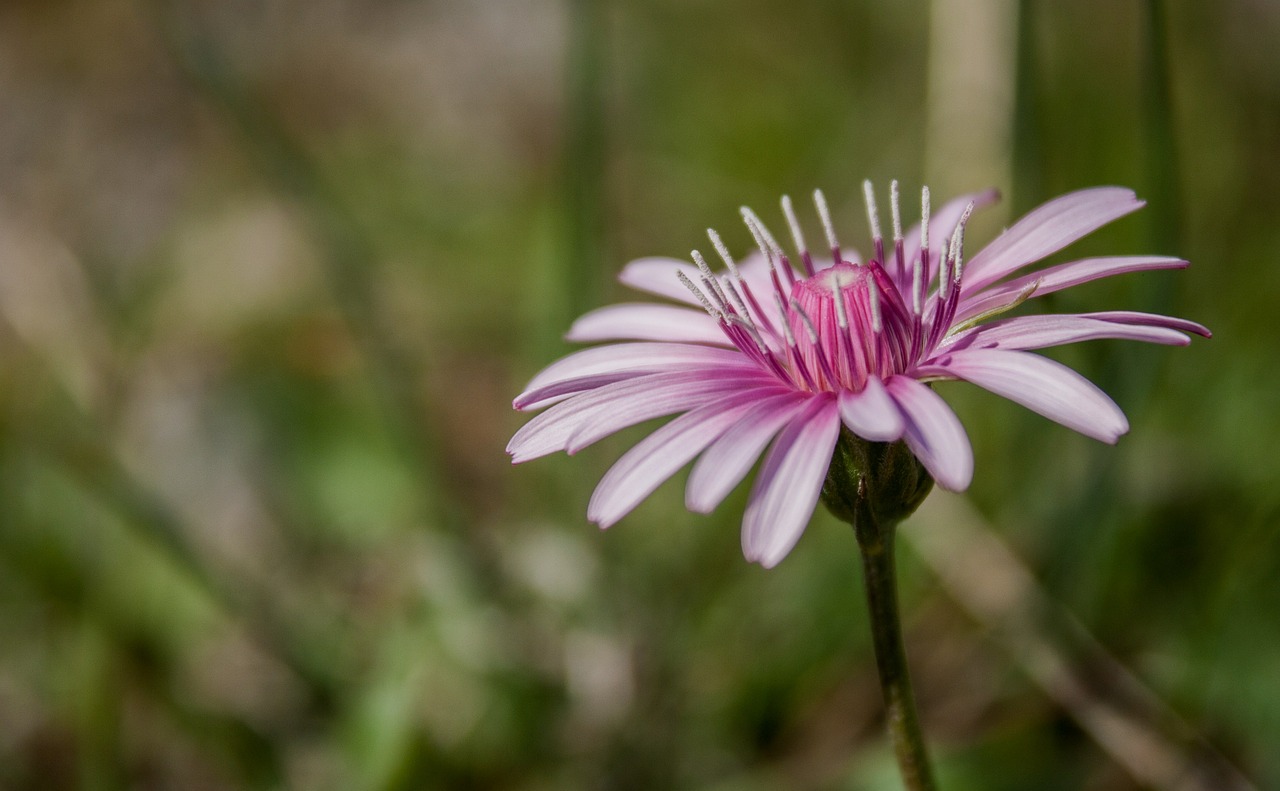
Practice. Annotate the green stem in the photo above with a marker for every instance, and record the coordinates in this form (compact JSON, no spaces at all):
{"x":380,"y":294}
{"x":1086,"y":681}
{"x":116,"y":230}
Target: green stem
{"x":876,"y":543}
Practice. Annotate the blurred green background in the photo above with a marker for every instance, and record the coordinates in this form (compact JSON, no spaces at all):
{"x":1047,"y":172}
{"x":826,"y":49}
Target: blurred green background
{"x":271,"y":273}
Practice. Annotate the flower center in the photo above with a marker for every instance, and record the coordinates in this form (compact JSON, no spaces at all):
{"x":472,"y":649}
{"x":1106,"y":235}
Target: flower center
{"x":835,"y":319}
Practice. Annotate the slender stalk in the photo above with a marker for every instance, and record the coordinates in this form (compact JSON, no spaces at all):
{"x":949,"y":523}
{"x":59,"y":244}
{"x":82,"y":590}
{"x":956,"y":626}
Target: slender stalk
{"x":876,"y":542}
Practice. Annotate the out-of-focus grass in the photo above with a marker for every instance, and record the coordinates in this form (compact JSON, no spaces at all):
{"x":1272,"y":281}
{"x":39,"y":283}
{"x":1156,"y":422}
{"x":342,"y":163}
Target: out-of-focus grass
{"x":271,"y":274}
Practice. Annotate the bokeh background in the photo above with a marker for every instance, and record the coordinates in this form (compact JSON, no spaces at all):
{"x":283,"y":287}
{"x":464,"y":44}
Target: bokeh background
{"x":271,"y":273}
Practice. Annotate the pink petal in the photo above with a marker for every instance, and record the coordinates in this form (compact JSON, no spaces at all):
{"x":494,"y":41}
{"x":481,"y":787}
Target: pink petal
{"x":657,"y":457}
{"x":1041,"y":385}
{"x":1056,"y":278}
{"x":1039,"y":332}
{"x":933,"y":433}
{"x":655,"y":402}
{"x":658,"y":276}
{"x":871,"y":414}
{"x":629,"y":360}
{"x":1151,"y":320}
{"x":1047,"y":230}
{"x":729,"y":458}
{"x":647,"y":322}
{"x":624,"y":404}
{"x":787,"y":488}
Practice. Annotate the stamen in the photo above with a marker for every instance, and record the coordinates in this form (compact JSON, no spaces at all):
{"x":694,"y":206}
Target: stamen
{"x":873,"y":218}
{"x":917,"y":287}
{"x":893,"y":208}
{"x":957,"y":241}
{"x":823,"y":363}
{"x":873,"y":291}
{"x":944,"y":272}
{"x":797,"y":236}
{"x":842,"y":316}
{"x":824,"y":213}
{"x":717,"y":296}
{"x":697,"y":292}
{"x":709,"y":278}
{"x":758,"y":228}
{"x":924,"y":217}
{"x":723,"y":252}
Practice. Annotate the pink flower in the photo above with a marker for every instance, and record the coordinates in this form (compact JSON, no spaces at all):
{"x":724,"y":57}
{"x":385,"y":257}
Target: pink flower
{"x":786,"y":356}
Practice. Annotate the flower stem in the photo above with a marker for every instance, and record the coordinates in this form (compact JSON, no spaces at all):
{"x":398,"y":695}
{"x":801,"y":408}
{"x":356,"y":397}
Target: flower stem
{"x":876,"y":543}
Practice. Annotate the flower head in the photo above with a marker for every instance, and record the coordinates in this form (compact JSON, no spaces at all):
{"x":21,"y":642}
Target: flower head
{"x":789,"y":356}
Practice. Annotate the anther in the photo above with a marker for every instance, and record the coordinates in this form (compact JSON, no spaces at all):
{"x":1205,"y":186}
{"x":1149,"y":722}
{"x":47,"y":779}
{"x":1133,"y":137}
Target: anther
{"x":824,"y":214}
{"x":894,"y":211}
{"x":697,"y":292}
{"x":924,"y":218}
{"x":944,"y":271}
{"x":873,"y":219}
{"x":758,"y":229}
{"x":917,"y":288}
{"x":797,"y":236}
{"x":842,"y":315}
{"x":723,"y":252}
{"x":717,"y":296}
{"x":957,"y":241}
{"x":713,"y":285}
{"x":873,"y":292}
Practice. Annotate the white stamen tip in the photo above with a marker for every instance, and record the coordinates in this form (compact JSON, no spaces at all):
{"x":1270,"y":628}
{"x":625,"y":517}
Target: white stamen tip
{"x":842,"y":316}
{"x":917,"y":287}
{"x":701,"y":262}
{"x":873,"y":214}
{"x":924,"y":218}
{"x":873,"y":292}
{"x":723,"y":252}
{"x":895,"y":211}
{"x":759,"y":229}
{"x":957,"y":241}
{"x":794,"y":225}
{"x":824,"y":214}
{"x":697,"y":292}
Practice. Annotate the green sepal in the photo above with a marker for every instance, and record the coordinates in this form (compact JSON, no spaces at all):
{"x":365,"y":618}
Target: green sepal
{"x":884,"y":478}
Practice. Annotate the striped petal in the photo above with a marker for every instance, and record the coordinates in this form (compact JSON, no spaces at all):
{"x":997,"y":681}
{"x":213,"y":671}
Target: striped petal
{"x":627,"y":360}
{"x":1151,"y":320}
{"x":1042,"y":385}
{"x":933,"y":433}
{"x":871,"y":414}
{"x":1040,"y":332}
{"x":658,"y":456}
{"x":1047,"y":230}
{"x":975,"y":302}
{"x":572,"y":424}
{"x":729,"y":458}
{"x":647,"y":322}
{"x":787,"y":488}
